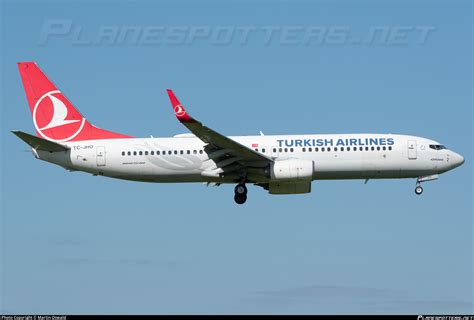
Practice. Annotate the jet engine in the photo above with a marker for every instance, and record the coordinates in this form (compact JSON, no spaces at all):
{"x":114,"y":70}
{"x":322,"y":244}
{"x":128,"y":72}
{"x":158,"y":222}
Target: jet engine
{"x":292,"y":170}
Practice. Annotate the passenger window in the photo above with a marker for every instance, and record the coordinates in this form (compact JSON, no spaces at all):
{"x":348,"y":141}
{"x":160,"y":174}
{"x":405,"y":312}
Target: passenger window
{"x":323,"y":149}
{"x":194,"y":152}
{"x":146,"y":153}
{"x":140,"y":153}
{"x":263,"y":150}
{"x":169,"y":152}
{"x":342,"y":148}
{"x":361,"y":148}
{"x":129,"y":153}
{"x":286,"y":149}
{"x":390,"y":148}
{"x":384,"y":148}
{"x":291,"y":150}
{"x":181,"y":152}
{"x":372,"y":148}
{"x":200,"y":151}
{"x":152,"y":153}
{"x":256,"y":149}
{"x":316,"y":149}
{"x":157,"y":153}
{"x":378,"y":148}
{"x":310,"y":149}
{"x":329,"y":149}
{"x":366,"y":148}
{"x":304,"y":150}
{"x":335,"y":148}
{"x":355,"y":148}
{"x":274,"y":150}
{"x":281,"y":150}
{"x":188,"y":152}
{"x":134,"y":153}
{"x":123,"y":153}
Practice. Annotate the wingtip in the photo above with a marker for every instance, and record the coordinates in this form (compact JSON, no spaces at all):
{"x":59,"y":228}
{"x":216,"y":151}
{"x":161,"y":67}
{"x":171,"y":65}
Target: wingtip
{"x":173,"y":99}
{"x":170,"y":93}
{"x":178,"y":108}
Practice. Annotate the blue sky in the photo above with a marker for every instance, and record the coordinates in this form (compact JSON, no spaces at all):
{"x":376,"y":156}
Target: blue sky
{"x":73,"y":243}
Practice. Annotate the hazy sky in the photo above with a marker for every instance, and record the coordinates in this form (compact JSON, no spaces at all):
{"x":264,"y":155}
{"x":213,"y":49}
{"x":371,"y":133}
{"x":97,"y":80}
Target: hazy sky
{"x":74,"y":243}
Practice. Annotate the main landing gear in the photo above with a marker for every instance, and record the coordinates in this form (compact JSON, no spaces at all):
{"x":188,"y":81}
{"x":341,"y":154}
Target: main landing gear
{"x":240,"y":193}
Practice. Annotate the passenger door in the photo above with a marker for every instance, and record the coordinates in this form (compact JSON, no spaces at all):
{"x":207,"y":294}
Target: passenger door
{"x":100,"y":156}
{"x":412,"y":154}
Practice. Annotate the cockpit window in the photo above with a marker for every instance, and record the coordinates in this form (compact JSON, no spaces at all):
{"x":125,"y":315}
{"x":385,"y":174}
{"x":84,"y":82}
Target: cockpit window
{"x":437,"y":146}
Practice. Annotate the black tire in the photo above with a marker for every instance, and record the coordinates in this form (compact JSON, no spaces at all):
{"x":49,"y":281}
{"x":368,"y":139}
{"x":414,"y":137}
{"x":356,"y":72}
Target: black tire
{"x":240,"y":199}
{"x":240,"y":189}
{"x":419,"y":190}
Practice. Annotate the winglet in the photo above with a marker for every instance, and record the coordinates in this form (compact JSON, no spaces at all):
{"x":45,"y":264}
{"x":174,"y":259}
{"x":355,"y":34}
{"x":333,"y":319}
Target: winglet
{"x":179,"y":110}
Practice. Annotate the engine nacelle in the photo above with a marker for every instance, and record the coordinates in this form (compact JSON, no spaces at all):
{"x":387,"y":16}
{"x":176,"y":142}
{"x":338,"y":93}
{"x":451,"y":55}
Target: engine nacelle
{"x":292,"y":170}
{"x":281,"y":187}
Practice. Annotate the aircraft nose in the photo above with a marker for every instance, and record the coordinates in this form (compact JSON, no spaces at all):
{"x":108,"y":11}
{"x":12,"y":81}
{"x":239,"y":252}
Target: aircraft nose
{"x":458,"y":159}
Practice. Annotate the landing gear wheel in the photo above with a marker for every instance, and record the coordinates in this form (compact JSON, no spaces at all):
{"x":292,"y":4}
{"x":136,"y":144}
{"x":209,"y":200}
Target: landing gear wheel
{"x":240,"y":193}
{"x":418,"y":190}
{"x":240,"y":189}
{"x":240,"y":199}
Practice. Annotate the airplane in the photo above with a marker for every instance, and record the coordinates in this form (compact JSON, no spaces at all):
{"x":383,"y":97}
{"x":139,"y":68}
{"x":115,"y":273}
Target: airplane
{"x":281,"y":164}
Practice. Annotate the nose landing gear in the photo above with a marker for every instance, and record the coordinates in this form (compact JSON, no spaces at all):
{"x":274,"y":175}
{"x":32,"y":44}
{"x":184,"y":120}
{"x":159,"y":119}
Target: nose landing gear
{"x":418,"y":190}
{"x":240,"y":191}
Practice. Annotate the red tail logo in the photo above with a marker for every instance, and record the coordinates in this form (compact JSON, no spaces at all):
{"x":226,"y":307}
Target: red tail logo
{"x":51,"y":112}
{"x":54,"y":117}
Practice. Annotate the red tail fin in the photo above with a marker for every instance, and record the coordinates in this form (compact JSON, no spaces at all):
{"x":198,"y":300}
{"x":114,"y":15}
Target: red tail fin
{"x":54,"y":117}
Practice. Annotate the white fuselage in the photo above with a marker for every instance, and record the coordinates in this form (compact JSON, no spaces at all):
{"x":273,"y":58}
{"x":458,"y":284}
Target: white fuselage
{"x":334,"y":156}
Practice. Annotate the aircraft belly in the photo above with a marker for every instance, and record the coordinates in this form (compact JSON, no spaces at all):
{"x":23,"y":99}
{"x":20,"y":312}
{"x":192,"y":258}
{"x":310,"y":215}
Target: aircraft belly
{"x":161,"y":178}
{"x":356,"y":169}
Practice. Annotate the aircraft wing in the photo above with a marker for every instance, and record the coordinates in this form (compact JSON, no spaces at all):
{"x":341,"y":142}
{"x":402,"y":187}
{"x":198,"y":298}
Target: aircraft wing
{"x":218,"y":146}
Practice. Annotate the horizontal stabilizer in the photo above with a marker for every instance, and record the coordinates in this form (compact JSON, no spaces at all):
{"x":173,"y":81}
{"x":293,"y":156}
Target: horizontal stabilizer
{"x":39,"y":143}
